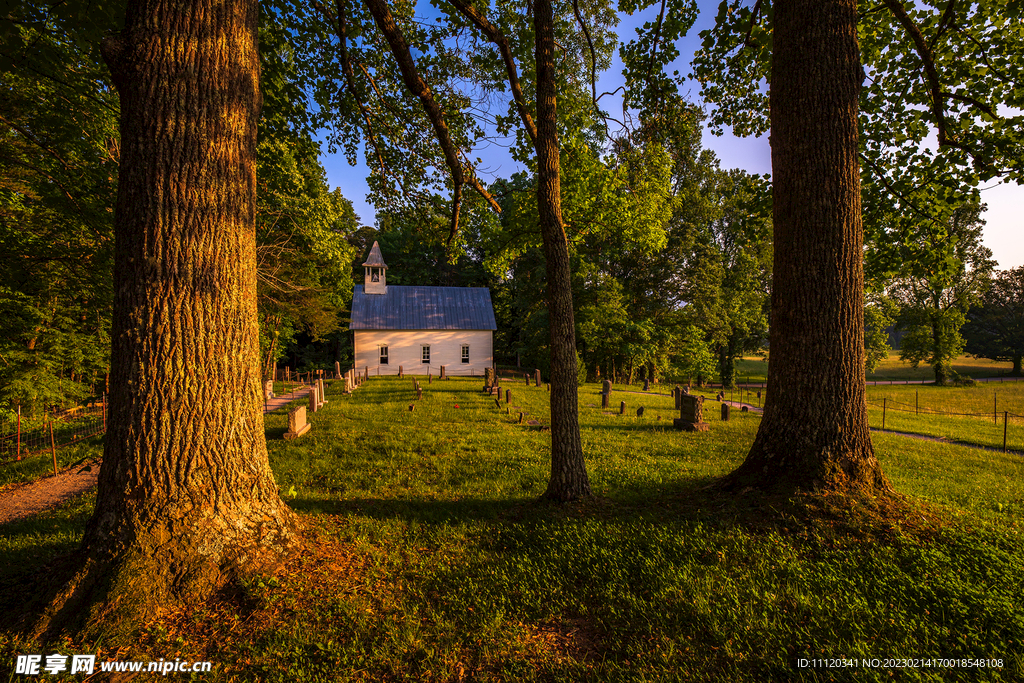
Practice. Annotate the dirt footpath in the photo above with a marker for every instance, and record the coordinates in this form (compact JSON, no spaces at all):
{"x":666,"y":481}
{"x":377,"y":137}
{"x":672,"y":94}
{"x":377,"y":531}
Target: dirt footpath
{"x":29,"y":499}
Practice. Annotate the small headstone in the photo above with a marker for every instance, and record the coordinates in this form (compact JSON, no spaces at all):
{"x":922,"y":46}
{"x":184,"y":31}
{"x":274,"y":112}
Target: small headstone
{"x":744,"y":409}
{"x":312,"y":400}
{"x":366,"y":372}
{"x":691,"y":414}
{"x":640,"y":411}
{"x":489,"y":382}
{"x":442,"y":372}
{"x":401,"y":373}
{"x":419,"y":393}
{"x":604,"y":401}
{"x":677,"y":393}
{"x":297,"y":425}
{"x":725,"y":412}
{"x":520,"y":418}
{"x":337,"y":370}
{"x":527,"y":376}
{"x":268,"y":389}
{"x":686,"y":390}
{"x":622,"y":408}
{"x":321,"y":394}
{"x":606,"y":387}
{"x":536,"y":377}
{"x":508,"y":396}
{"x":647,"y":385}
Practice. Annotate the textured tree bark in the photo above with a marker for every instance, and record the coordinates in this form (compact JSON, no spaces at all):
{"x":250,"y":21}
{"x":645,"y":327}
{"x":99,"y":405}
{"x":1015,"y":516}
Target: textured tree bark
{"x":568,"y":469}
{"x":814,"y":433}
{"x":186,"y":496}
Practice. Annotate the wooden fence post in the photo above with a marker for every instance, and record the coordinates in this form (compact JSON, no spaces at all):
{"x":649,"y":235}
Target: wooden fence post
{"x":1006,"y":414}
{"x":53,"y":448}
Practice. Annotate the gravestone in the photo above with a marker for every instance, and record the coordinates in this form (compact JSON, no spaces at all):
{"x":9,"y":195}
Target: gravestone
{"x":721,"y":396}
{"x":442,"y":372}
{"x":268,"y":389}
{"x":312,"y":399}
{"x":536,"y":377}
{"x":677,"y":393}
{"x":337,"y":370}
{"x":489,"y":381}
{"x":686,"y":390}
{"x":606,"y":392}
{"x":520,"y":418}
{"x":297,"y":425}
{"x":320,"y":392}
{"x":527,"y":376}
{"x":744,"y":409}
{"x":622,"y":408}
{"x":640,"y":411}
{"x":419,"y":393}
{"x":508,"y":396}
{"x":691,"y":414}
{"x":401,"y":372}
{"x":647,"y":385}
{"x":725,"y":412}
{"x":430,"y":378}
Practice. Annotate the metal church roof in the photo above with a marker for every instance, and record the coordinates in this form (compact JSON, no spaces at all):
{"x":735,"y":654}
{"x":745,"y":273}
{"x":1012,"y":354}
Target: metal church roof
{"x":423,"y":308}
{"x":375,"y":259}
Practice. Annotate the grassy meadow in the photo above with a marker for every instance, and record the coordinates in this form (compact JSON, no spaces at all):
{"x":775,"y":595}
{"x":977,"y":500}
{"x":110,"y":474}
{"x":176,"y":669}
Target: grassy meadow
{"x":429,"y":558}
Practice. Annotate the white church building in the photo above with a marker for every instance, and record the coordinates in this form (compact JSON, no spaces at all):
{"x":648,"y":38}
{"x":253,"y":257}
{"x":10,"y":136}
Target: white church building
{"x":420,"y":328}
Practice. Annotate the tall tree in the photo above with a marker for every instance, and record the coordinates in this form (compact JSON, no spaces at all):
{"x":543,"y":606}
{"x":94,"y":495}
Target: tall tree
{"x":814,"y":433}
{"x":949,"y":274}
{"x":995,"y":328}
{"x":815,"y":429}
{"x":186,"y":497}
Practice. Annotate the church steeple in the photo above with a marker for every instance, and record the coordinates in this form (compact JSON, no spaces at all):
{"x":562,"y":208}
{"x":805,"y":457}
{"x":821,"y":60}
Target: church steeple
{"x":375,"y":281}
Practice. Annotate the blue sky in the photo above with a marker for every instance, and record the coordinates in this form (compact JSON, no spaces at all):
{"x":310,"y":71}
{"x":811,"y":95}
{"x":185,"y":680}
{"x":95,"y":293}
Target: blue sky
{"x":1004,"y":231}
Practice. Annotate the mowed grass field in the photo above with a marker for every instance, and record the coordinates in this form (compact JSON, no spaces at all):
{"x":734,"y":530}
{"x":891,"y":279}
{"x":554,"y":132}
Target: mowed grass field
{"x":429,"y":558}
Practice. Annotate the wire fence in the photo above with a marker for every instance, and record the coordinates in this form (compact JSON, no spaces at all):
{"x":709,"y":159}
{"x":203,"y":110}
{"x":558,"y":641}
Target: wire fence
{"x":25,"y":436}
{"x":1003,"y":418}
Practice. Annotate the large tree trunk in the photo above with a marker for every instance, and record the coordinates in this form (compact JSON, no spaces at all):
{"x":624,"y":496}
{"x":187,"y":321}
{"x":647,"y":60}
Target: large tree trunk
{"x":568,"y":469}
{"x":186,"y":496}
{"x":814,"y":434}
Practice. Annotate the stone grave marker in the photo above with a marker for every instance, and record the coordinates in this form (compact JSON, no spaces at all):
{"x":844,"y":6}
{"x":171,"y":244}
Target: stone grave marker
{"x":676,"y":394}
{"x":622,"y":407}
{"x":640,"y":411}
{"x":419,"y":393}
{"x":691,"y":414}
{"x":297,"y":425}
{"x":401,"y":372}
{"x":725,"y":412}
{"x":442,"y":372}
{"x":536,"y":377}
{"x":647,"y":385}
{"x":337,"y":370}
{"x":508,"y":396}
{"x":312,"y":399}
{"x":268,"y":389}
{"x":744,"y":409}
{"x":520,"y":418}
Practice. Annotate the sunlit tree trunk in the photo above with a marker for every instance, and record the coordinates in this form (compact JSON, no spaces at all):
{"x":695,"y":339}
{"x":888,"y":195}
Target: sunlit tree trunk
{"x":186,"y":497}
{"x":814,"y":433}
{"x":568,"y":469}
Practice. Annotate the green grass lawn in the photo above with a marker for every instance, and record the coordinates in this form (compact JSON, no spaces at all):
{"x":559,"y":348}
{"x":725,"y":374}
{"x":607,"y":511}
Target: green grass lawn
{"x":430,"y":559}
{"x":893,"y":369}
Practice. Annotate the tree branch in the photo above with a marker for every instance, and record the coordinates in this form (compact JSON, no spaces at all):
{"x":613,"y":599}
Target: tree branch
{"x":492,"y":33}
